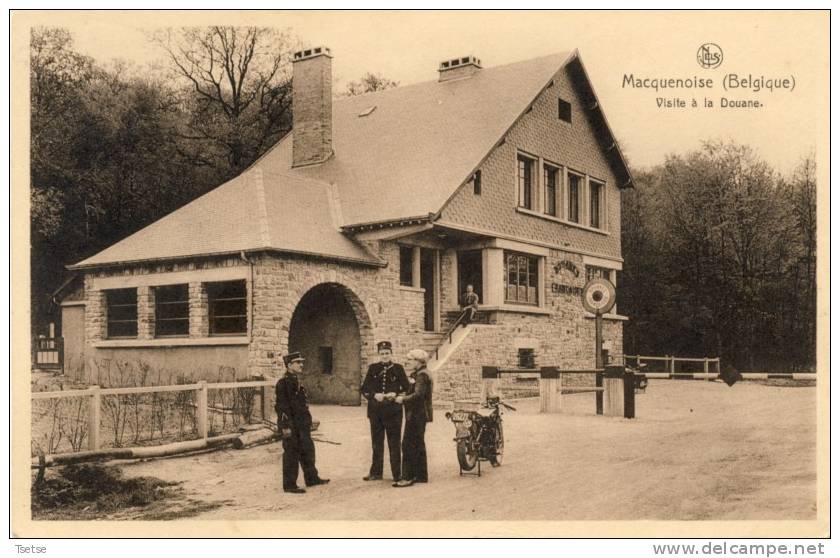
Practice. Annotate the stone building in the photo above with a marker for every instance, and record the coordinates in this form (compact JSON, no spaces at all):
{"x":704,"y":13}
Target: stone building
{"x":366,"y":222}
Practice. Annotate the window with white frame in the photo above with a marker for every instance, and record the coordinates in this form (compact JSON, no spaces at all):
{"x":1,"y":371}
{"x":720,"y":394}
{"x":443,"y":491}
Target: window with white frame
{"x":575,"y":188}
{"x":121,"y":313}
{"x":596,"y":204}
{"x":406,"y":266}
{"x":228,"y":307}
{"x":525,"y":180}
{"x":551,"y":185}
{"x":172,"y":310}
{"x":521,"y":278}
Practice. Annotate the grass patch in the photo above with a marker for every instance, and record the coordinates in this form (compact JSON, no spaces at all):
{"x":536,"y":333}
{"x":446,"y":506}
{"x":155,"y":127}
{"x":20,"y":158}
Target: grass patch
{"x":92,"y":491}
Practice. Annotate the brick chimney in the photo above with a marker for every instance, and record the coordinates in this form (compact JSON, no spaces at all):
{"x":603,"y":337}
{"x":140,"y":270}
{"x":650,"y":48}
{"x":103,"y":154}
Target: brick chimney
{"x":312,"y":106}
{"x":458,"y":68}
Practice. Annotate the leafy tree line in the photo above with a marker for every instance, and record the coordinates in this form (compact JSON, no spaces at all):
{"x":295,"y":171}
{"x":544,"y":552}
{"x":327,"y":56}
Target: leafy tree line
{"x":720,"y":260}
{"x":115,"y":147}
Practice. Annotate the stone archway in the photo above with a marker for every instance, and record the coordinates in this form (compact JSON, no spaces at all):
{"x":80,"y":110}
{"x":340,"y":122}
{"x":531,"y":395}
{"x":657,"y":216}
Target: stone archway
{"x":331,"y":328}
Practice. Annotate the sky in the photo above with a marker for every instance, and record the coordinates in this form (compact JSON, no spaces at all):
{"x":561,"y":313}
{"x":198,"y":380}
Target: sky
{"x":407,"y":47}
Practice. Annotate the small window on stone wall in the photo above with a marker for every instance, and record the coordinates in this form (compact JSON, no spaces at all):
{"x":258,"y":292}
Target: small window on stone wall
{"x":172,"y":310}
{"x":405,"y":266}
{"x":527,"y":358}
{"x":122,"y":312}
{"x":228,"y":307}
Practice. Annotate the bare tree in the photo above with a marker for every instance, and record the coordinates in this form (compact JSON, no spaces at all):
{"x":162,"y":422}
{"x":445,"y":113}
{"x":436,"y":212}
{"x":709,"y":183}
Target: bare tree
{"x":369,"y":83}
{"x":237,"y":94}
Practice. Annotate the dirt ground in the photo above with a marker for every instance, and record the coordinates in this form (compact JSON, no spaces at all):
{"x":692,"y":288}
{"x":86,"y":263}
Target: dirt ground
{"x":698,"y":450}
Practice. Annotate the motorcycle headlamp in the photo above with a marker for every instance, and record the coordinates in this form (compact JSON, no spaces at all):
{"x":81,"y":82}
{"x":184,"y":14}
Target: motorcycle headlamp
{"x":467,"y":423}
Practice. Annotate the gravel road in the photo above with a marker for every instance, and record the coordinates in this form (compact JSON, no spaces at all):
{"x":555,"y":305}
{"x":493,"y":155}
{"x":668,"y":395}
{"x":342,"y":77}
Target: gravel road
{"x":698,"y":450}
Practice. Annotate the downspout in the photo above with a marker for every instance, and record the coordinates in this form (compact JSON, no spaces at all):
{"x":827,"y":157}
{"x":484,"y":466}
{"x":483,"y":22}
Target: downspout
{"x":250,"y":263}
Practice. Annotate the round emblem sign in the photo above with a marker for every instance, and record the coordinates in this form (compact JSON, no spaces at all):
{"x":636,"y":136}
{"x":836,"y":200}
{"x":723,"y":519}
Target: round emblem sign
{"x":598,"y":296}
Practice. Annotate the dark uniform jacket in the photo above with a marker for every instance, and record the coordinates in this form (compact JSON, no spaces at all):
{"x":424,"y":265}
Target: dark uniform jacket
{"x":384,"y":378}
{"x":292,"y":403}
{"x":418,"y":402}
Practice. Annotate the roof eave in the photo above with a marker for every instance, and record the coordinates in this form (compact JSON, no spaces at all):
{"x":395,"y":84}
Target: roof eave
{"x":629,"y":183}
{"x":374,"y":261}
{"x":388,"y":223}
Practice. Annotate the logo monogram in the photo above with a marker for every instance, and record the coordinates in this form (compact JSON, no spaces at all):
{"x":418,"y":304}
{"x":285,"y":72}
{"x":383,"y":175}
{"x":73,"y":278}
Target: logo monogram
{"x":709,"y":56}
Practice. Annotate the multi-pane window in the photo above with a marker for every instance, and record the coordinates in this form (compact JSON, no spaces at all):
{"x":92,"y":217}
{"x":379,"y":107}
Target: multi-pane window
{"x":122,"y":312}
{"x":596,"y":203}
{"x":593,"y":271}
{"x":406,"y":264}
{"x":172,"y":310}
{"x":525,"y":176}
{"x":521,"y":278}
{"x":575,"y":185}
{"x":228,"y":306}
{"x":550,"y":179}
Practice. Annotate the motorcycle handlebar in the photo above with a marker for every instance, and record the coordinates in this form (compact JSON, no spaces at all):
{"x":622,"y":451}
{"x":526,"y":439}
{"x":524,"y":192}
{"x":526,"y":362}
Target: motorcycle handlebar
{"x":507,"y":406}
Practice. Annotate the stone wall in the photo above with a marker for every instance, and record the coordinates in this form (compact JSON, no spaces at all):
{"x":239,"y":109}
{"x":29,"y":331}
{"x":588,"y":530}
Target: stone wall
{"x":564,"y":338}
{"x":383,"y":309}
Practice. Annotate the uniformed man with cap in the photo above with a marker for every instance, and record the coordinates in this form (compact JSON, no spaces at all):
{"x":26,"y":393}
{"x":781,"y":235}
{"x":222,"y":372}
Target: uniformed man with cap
{"x":294,"y":422}
{"x":384,"y":382}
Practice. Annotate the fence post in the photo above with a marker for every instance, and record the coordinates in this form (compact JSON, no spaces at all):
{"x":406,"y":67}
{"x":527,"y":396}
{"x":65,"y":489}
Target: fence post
{"x":266,"y":397}
{"x":599,"y":395}
{"x":94,"y":417}
{"x":673,"y":359}
{"x":201,"y":409}
{"x":629,"y":394}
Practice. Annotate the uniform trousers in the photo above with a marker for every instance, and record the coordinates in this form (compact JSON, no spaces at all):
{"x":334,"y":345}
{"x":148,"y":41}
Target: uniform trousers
{"x":414,"y":450}
{"x":299,"y":450}
{"x":382,"y":423}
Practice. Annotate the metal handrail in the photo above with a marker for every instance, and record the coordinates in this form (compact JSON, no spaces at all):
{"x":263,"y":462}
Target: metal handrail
{"x":451,"y":330}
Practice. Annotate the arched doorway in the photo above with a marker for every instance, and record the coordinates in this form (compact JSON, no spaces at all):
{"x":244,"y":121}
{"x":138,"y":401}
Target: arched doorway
{"x":326,"y":328}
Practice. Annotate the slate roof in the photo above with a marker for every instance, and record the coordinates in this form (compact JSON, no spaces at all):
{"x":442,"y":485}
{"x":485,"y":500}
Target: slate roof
{"x":407,"y":157}
{"x":403,"y":160}
{"x":263,"y":208}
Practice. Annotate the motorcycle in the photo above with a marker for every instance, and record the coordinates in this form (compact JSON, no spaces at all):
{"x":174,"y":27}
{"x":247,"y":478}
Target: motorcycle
{"x":479,"y":437}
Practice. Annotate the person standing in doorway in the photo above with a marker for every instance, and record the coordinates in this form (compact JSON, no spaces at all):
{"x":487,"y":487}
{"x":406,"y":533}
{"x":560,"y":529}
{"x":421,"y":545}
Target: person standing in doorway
{"x":470,"y":305}
{"x":384,"y":381}
{"x":294,"y":423}
{"x":418,"y":412}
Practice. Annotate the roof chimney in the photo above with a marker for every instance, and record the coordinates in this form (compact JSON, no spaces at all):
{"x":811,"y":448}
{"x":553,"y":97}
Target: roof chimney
{"x":458,"y":68}
{"x":312,"y":106}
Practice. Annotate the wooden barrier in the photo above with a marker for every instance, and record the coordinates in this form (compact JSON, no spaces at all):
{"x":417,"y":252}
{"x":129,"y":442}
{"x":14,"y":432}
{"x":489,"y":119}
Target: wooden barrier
{"x":744,"y":376}
{"x":610,"y":382}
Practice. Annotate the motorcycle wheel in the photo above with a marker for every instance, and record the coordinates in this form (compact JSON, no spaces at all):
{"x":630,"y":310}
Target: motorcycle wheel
{"x":466,"y":457}
{"x":500,"y":444}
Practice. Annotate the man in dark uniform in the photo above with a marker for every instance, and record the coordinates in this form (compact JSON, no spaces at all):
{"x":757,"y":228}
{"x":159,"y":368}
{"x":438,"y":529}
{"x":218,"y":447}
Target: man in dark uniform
{"x":295,"y":426}
{"x":385,"y":380}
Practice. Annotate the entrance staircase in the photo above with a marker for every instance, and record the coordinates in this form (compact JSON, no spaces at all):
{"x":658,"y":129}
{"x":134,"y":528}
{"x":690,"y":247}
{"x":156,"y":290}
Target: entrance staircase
{"x":442,"y":345}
